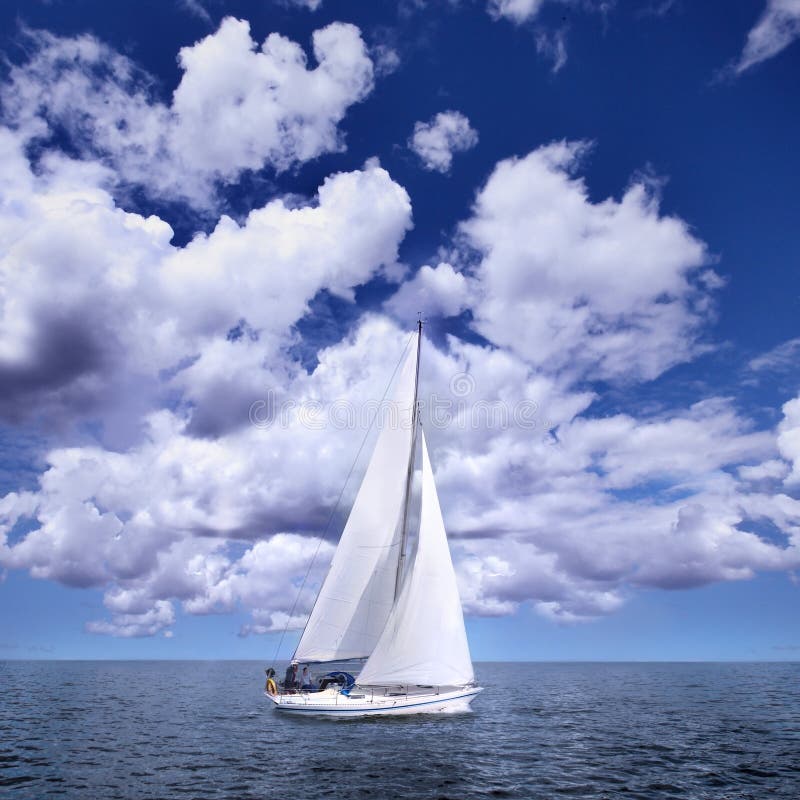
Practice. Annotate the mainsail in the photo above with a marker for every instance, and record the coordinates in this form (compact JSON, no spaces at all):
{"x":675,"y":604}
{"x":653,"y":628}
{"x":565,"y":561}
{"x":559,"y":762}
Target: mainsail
{"x":356,"y":598}
{"x":424,"y":641}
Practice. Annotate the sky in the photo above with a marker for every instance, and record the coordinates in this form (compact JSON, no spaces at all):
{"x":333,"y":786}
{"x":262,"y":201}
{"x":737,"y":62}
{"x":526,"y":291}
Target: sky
{"x":219,"y":220}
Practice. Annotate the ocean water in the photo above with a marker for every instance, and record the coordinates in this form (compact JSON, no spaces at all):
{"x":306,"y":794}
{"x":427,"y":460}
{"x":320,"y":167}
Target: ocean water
{"x":204,"y":730}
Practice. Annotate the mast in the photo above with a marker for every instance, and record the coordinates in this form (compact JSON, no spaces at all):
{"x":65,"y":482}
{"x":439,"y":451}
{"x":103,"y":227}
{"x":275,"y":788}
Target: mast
{"x":410,"y":474}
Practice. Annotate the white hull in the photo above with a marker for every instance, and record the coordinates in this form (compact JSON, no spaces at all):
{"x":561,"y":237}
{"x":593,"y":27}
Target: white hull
{"x":376,"y":702}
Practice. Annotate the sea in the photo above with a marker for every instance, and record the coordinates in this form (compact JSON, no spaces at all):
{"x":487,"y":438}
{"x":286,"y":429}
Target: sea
{"x":203,"y":729}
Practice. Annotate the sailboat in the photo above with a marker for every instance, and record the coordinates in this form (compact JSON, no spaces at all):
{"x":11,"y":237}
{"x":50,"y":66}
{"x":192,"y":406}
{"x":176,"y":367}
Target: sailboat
{"x":396,"y":613}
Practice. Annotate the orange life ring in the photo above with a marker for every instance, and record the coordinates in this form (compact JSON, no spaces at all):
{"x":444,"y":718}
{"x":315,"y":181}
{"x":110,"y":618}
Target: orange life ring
{"x":272,"y":687}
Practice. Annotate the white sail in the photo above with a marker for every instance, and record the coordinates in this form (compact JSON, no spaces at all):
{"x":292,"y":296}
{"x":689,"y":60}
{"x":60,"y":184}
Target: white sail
{"x":356,"y":598}
{"x":424,"y":642}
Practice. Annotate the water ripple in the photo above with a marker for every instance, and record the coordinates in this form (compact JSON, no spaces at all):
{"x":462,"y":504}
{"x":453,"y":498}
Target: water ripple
{"x":590,"y":731}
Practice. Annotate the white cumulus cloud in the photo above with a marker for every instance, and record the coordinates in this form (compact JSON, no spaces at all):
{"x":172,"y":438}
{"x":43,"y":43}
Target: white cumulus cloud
{"x":147,"y":623}
{"x":436,"y":141}
{"x":433,"y":291}
{"x":607,"y":289}
{"x":239,"y":106}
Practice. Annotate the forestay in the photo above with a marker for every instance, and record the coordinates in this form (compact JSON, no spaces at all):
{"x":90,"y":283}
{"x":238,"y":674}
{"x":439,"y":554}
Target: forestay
{"x":424,"y":642}
{"x":356,"y":598}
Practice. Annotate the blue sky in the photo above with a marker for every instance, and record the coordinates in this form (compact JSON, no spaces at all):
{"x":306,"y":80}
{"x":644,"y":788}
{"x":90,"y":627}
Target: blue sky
{"x":594,"y":205}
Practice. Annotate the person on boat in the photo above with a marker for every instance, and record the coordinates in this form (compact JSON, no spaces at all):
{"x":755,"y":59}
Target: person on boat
{"x":331,"y":679}
{"x":290,"y":682}
{"x":306,"y":683}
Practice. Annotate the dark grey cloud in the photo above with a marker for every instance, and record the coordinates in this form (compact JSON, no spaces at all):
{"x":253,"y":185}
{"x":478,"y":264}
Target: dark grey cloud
{"x":64,"y":355}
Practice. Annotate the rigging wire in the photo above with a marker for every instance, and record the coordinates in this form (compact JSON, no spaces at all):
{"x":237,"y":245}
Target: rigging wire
{"x":336,"y":504}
